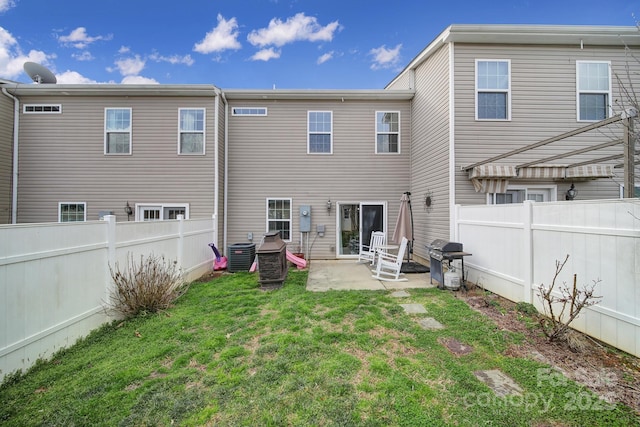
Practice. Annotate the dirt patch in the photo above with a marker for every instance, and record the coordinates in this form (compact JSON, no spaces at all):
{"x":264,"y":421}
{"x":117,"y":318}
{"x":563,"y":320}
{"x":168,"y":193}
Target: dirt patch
{"x":608,"y":372}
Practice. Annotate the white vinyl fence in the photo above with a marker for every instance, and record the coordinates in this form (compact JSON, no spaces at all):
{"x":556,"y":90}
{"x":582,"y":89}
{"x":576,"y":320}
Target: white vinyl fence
{"x":515,"y":249}
{"x":55,"y":279}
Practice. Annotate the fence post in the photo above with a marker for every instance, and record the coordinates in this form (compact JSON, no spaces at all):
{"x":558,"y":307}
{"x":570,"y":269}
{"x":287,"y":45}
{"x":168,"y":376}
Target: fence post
{"x":527,"y":253}
{"x":111,"y":250}
{"x":180,"y":248}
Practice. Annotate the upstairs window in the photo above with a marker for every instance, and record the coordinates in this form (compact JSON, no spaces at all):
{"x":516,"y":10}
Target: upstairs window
{"x":279,"y":217}
{"x":594,"y":90}
{"x":387,"y":132}
{"x":191,"y":140}
{"x":320,"y":128}
{"x":117,"y":131}
{"x":493,"y":90}
{"x":72,"y":211}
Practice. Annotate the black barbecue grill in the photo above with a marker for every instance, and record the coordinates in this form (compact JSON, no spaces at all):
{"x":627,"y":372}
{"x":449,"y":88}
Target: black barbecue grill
{"x":441,"y":251}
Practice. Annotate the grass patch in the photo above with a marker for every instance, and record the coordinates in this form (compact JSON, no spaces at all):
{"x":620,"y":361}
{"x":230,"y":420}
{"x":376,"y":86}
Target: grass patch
{"x":231,"y":354}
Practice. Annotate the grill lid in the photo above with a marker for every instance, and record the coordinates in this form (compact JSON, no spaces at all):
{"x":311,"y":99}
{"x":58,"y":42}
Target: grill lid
{"x":441,"y":245}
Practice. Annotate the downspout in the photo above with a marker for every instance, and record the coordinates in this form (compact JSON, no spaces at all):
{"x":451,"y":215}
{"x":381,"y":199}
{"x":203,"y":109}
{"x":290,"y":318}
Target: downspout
{"x":220,"y":94}
{"x":452,"y":143}
{"x":14,"y":181}
{"x":226,"y":170}
{"x":216,"y":181}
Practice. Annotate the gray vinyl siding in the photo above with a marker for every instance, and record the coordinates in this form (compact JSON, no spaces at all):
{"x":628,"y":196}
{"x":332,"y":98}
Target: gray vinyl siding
{"x":430,"y":151}
{"x":62,"y":158}
{"x":543,"y":105}
{"x":268,"y":159}
{"x":6,"y":158}
{"x":403,"y":82}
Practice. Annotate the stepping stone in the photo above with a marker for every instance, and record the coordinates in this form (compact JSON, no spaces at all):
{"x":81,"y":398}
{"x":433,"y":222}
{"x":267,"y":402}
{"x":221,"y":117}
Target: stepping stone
{"x":499,"y":382}
{"x":455,"y":346}
{"x":413,"y":308}
{"x":400,"y":294}
{"x":430,"y":323}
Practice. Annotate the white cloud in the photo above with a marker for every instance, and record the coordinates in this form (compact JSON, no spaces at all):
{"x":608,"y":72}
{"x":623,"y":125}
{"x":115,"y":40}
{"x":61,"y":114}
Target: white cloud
{"x":223,"y":37}
{"x":83,"y":56}
{"x":79,"y":38}
{"x":266,"y":55}
{"x":138,"y":80}
{"x":130,"y":66}
{"x":297,"y":28}
{"x":385,"y":58}
{"x":6,"y":5}
{"x":12,"y":58}
{"x":173,"y":59}
{"x":73,"y":77}
{"x":124,"y":49}
{"x":324,"y":58}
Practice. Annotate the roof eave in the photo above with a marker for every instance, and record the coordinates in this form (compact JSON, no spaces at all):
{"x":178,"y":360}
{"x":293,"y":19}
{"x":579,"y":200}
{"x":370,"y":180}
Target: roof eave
{"x":319,"y":94}
{"x":111,"y":90}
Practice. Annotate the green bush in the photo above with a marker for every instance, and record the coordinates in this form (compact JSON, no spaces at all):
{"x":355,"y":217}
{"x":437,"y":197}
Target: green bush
{"x":147,"y":286}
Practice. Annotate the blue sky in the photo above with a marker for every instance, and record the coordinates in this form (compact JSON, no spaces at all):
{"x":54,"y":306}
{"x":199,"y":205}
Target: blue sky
{"x":256,"y":44}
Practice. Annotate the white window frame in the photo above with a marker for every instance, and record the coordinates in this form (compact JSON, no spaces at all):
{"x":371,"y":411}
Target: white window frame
{"x":381,"y":132}
{"x":536,"y":188}
{"x":494,"y":90}
{"x":249,"y":111}
{"x":636,"y":186}
{"x":42,"y":108}
{"x":141,"y":207}
{"x":289,"y":220}
{"x":108,"y":131}
{"x":309,"y":132}
{"x":609,"y":110}
{"x":191,"y":131}
{"x":60,"y":204}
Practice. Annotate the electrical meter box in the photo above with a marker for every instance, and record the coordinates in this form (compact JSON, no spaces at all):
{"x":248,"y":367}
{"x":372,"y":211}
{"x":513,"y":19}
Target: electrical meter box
{"x":305,"y":218}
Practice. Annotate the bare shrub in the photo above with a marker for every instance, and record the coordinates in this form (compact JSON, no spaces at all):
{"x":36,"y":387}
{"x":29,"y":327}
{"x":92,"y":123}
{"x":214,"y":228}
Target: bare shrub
{"x":146,"y":286}
{"x":570,"y":302}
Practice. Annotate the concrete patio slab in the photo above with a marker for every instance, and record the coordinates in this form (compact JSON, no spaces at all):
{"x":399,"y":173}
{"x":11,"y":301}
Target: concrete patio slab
{"x":325,"y":275}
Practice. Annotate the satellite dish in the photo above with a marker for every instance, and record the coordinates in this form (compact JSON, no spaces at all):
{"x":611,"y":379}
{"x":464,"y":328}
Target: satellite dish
{"x":39,"y":73}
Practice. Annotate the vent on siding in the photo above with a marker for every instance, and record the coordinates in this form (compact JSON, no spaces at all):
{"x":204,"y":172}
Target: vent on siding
{"x":42,"y":108}
{"x":249,"y":111}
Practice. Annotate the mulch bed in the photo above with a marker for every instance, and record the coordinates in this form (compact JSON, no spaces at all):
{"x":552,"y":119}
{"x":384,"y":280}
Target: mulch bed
{"x":608,"y":372}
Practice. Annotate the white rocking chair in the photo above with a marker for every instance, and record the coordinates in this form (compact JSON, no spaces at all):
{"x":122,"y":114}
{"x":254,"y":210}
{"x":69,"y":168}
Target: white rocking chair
{"x":368,"y":253}
{"x":388,"y":265}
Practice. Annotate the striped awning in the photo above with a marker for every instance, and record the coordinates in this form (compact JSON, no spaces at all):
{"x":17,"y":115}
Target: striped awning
{"x":590,"y":171}
{"x":491,"y":178}
{"x":493,"y":171}
{"x":490,"y":185}
{"x":542,"y":172}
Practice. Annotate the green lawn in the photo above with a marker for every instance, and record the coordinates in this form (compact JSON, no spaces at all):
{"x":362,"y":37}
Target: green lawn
{"x":231,"y":354}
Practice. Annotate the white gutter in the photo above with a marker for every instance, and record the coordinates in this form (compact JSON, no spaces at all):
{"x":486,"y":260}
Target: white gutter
{"x":14,"y":181}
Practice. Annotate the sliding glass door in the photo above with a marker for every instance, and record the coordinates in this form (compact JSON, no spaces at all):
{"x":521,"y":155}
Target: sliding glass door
{"x":355,"y":223}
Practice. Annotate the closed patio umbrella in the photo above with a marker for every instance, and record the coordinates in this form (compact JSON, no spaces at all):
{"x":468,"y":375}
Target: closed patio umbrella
{"x":404,"y":224}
